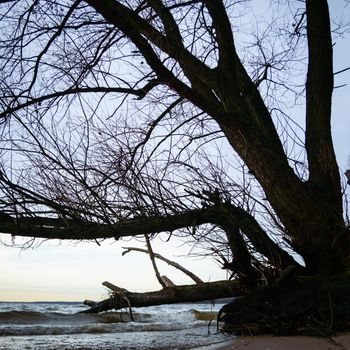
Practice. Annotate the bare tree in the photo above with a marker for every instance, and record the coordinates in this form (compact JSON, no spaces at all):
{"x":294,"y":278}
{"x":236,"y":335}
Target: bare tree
{"x":122,"y":118}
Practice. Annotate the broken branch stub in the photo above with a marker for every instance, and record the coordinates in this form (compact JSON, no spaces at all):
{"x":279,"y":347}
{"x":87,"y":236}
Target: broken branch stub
{"x":115,"y":288}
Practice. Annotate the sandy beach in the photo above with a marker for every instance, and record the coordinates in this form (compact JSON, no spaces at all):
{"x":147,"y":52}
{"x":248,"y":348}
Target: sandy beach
{"x":341,"y":342}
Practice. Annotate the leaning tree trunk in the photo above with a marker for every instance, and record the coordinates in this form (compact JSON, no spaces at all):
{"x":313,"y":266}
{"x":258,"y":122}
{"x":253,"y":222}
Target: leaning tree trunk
{"x":310,"y":211}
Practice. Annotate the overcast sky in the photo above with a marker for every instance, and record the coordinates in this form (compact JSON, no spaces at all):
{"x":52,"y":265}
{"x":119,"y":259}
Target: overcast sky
{"x":66,"y":271}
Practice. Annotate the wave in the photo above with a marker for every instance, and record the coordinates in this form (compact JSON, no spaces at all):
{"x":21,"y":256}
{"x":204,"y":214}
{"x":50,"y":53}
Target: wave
{"x":188,"y":337}
{"x":32,"y":317}
{"x":21,"y":316}
{"x":14,"y":323}
{"x":92,"y":328}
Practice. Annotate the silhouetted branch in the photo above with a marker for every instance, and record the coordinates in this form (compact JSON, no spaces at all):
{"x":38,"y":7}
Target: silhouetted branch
{"x":169,"y":262}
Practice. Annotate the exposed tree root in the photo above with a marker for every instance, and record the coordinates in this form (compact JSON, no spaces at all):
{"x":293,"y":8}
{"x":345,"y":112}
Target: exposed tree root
{"x":299,"y":306}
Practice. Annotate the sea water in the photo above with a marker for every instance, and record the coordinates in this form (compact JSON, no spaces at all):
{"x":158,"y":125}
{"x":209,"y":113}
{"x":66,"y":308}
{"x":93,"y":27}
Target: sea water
{"x":59,"y":325}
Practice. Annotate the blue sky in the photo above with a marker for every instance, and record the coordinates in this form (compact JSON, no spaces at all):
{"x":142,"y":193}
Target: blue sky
{"x":69,"y":271}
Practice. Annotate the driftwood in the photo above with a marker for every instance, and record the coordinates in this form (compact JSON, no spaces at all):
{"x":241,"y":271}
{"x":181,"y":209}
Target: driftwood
{"x":169,"y":295}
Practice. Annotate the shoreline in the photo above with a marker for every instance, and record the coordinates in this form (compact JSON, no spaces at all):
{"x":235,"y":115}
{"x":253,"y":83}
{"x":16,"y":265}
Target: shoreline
{"x":269,"y":342}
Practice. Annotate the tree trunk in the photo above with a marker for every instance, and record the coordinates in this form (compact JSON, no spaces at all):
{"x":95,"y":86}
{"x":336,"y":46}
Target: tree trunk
{"x":310,"y":210}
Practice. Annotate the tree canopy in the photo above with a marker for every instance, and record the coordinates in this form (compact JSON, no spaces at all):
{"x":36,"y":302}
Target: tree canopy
{"x":121,"y":118}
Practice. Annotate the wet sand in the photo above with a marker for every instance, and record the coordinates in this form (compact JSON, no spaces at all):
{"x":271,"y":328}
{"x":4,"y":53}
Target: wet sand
{"x":341,"y":342}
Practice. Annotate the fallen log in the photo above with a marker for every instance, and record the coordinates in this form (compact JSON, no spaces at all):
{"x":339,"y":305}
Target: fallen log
{"x":170,"y":295}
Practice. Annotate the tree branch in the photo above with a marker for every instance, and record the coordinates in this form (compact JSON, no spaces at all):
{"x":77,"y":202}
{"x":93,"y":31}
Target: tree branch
{"x":170,"y":26}
{"x":232,"y":216}
{"x":127,"y":20}
{"x":323,"y":168}
{"x":169,"y":262}
{"x":225,"y":215}
{"x":141,"y":33}
{"x":224,"y":36}
{"x":56,"y":228}
{"x":140,"y":93}
{"x":151,"y":256}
